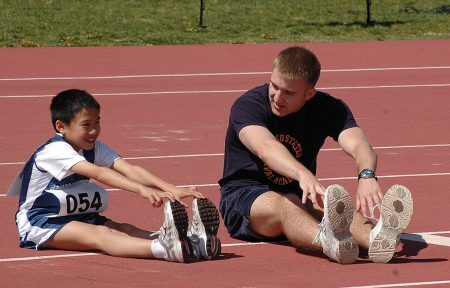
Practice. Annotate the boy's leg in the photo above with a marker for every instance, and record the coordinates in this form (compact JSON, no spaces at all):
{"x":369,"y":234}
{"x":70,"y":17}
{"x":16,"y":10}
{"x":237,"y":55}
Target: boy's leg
{"x":81,"y":236}
{"x":129,"y":229}
{"x":171,"y":244}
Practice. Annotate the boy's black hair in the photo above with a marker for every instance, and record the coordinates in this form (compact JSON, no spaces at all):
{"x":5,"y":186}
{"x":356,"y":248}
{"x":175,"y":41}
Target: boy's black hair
{"x":68,"y":103}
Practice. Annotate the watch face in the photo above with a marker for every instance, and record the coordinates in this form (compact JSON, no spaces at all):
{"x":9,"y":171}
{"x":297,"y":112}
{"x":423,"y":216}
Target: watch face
{"x":367,"y":173}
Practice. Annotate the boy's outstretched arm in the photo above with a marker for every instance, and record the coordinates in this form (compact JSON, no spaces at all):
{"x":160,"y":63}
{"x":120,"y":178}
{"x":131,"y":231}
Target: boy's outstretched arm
{"x":114,"y":179}
{"x":144,"y":177}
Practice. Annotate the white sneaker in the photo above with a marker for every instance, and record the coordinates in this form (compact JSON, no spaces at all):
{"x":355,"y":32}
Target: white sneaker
{"x":173,"y":233}
{"x":203,"y":231}
{"x":334,"y":230}
{"x":395,"y":214}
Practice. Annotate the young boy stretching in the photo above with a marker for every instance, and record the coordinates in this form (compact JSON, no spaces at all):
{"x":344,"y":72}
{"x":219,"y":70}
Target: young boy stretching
{"x":59,"y":208}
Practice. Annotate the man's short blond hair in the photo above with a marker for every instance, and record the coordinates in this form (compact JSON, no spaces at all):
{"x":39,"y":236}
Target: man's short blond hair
{"x":296,"y":63}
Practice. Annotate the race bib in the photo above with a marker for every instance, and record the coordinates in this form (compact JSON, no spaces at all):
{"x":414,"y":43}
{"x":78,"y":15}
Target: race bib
{"x":80,"y":198}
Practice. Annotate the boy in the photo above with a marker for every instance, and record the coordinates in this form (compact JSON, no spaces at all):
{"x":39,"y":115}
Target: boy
{"x":60,"y":209}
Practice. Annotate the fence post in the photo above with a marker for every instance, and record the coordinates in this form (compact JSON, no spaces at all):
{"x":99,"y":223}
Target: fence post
{"x":202,"y":8}
{"x":368,"y":20}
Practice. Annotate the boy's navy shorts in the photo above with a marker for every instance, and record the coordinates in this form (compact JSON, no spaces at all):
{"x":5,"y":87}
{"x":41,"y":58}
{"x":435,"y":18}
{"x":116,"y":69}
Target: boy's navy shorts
{"x":235,"y":205}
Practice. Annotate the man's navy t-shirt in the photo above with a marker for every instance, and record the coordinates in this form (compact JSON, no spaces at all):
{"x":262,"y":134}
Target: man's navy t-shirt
{"x":302,"y":133}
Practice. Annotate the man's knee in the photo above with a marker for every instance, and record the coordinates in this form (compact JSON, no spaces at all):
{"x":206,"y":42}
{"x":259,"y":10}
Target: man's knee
{"x":274,"y":204}
{"x":268,"y":213}
{"x":267,"y":205}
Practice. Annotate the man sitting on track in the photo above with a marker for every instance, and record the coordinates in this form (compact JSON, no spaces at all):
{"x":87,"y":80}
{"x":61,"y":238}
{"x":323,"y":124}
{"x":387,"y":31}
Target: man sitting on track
{"x":60,"y":209}
{"x":269,"y":190}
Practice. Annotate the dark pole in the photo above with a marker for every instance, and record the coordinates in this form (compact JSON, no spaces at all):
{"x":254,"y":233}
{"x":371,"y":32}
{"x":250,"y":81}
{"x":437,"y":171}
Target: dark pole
{"x":202,"y":8}
{"x":368,"y":20}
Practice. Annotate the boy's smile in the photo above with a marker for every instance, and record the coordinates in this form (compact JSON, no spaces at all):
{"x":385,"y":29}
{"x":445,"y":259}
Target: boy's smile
{"x":83,"y":130}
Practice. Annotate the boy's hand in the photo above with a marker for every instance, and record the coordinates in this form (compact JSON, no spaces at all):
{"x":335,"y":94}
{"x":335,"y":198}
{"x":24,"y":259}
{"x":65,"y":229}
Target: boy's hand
{"x":180,"y":193}
{"x":156,"y":196}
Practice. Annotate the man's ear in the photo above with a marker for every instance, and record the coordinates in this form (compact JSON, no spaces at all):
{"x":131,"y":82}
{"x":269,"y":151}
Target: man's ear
{"x":60,"y":126}
{"x":310,"y":93}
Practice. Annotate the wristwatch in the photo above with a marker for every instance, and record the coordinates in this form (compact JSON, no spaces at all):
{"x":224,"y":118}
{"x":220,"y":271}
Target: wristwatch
{"x":367,"y":173}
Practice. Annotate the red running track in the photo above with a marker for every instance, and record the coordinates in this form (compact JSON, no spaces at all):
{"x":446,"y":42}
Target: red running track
{"x":166,"y":108}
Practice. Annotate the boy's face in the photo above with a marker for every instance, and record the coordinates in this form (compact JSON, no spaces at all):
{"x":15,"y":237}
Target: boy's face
{"x":83,"y":130}
{"x":288,"y":96}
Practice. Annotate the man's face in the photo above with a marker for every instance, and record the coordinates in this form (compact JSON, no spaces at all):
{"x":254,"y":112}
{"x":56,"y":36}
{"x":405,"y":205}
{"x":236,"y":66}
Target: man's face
{"x":288,"y":96}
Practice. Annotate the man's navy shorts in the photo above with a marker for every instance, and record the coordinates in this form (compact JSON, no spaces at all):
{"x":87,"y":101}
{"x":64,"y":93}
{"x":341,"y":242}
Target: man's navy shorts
{"x":235,"y":205}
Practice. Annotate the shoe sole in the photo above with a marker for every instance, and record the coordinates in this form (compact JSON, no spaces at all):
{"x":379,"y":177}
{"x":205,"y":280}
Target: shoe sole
{"x":396,"y":211}
{"x":181,"y":221}
{"x":340,"y":211}
{"x":210,"y":220}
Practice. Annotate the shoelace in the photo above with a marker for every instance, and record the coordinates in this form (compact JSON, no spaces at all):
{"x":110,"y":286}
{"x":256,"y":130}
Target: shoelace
{"x":372,"y":217}
{"x":320,"y":229}
{"x":372,"y":213}
{"x":154,"y":234}
{"x":195,"y":224}
{"x":168,"y":238}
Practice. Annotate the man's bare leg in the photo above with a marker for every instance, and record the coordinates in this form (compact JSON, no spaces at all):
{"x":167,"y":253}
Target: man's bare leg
{"x":274,"y":214}
{"x":360,"y":228}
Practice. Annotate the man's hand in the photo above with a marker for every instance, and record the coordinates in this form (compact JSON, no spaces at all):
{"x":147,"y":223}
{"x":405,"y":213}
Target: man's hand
{"x":368,"y":196}
{"x":310,"y":186}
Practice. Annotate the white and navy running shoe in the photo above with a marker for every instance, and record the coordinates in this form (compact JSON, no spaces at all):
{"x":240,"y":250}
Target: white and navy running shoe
{"x":173,"y":233}
{"x":395,"y":214}
{"x":202,"y":232}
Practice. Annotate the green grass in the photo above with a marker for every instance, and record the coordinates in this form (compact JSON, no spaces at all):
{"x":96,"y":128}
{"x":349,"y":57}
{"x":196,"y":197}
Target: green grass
{"x":158,"y":22}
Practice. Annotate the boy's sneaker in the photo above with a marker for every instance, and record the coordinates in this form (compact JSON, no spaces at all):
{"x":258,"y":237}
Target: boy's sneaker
{"x":173,"y":233}
{"x":203,"y":231}
{"x":334,"y":230}
{"x":395,"y":214}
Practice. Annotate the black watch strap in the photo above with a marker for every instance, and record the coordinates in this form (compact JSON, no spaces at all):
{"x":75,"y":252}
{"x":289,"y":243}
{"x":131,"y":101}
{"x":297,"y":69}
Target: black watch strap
{"x":367,"y":173}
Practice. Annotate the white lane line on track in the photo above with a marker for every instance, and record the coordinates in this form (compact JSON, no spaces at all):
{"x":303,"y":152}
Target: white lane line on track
{"x":47,"y":257}
{"x":381,"y":69}
{"x":221,"y":154}
{"x":429,"y":283}
{"x":232,"y":91}
{"x":427,"y":238}
{"x":434,"y":233}
{"x":417,"y":237}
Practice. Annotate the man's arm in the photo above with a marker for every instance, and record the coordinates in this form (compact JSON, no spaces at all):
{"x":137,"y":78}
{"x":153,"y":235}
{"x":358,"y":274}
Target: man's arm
{"x":261,"y":142}
{"x":354,"y":142}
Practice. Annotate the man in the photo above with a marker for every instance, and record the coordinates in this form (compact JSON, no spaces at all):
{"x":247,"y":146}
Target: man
{"x":269,"y":190}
